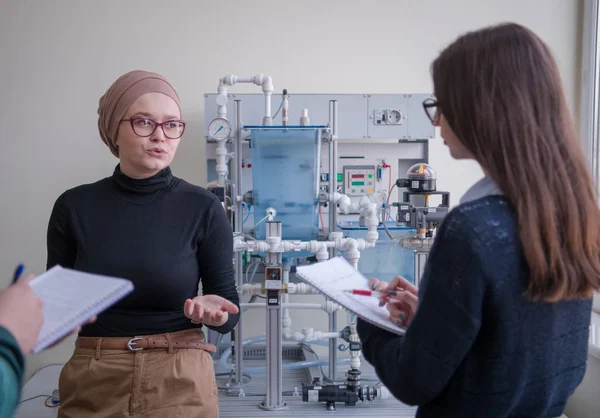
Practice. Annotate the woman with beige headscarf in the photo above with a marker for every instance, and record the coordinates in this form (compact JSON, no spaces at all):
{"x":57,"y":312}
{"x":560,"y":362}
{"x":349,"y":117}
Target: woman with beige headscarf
{"x":146,"y":356}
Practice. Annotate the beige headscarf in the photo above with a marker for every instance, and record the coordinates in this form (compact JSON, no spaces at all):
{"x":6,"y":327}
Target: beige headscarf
{"x":117,"y":99}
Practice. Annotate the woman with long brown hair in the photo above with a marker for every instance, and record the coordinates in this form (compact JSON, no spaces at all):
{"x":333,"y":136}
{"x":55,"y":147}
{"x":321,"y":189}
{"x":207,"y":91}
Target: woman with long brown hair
{"x":499,"y":326}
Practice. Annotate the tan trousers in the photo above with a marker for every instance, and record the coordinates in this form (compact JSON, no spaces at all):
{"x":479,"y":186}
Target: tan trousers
{"x":150,"y":383}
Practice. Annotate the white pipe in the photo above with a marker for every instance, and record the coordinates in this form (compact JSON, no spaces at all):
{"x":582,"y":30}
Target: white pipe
{"x":354,"y":354}
{"x":309,"y":334}
{"x":222,"y":157}
{"x":353,"y":253}
{"x":231,"y":80}
{"x":327,"y":306}
{"x":293,"y":288}
{"x":302,"y":289}
{"x":286,"y":319}
{"x":284,"y":111}
{"x":315,"y":247}
{"x":367,"y":209}
{"x":222,"y":101}
{"x":267,"y":120}
{"x":322,"y":254}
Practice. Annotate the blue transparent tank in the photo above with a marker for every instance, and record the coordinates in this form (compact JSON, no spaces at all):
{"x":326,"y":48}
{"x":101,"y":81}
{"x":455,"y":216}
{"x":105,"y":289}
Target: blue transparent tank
{"x":387,"y":259}
{"x":285,"y":175}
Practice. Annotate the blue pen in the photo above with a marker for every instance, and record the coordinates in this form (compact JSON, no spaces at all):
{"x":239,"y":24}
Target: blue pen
{"x":18,"y":272}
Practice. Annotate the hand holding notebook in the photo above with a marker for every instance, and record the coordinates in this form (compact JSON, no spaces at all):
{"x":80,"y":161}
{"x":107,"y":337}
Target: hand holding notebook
{"x":71,"y":298}
{"x":334,"y":277}
{"x":21,"y":314}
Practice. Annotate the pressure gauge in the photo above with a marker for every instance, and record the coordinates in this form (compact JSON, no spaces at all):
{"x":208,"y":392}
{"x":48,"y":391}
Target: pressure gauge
{"x":219,"y":129}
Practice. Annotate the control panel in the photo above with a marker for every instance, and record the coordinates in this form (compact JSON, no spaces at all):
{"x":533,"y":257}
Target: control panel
{"x":359,"y":179}
{"x":324,"y":183}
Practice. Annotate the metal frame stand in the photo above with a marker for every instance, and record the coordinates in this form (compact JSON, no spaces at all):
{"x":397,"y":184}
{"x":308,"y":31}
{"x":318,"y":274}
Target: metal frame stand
{"x":332,"y":225}
{"x":274,"y":398}
{"x":420,"y":261}
{"x":237,"y":203}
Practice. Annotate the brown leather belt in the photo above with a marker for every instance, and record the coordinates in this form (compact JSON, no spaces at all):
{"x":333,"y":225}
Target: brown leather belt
{"x":183,"y":339}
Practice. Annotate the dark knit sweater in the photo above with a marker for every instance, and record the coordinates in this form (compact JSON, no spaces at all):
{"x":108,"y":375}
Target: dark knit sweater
{"x":477,"y":347}
{"x":162,"y":233}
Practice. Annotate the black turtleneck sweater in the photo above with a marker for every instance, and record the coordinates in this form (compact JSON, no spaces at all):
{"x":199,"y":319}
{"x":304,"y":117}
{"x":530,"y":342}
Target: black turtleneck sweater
{"x":162,"y":233}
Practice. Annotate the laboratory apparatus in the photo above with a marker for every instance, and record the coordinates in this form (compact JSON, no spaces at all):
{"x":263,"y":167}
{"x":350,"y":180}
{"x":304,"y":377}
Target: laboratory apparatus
{"x":415,"y":211}
{"x":311,"y":185}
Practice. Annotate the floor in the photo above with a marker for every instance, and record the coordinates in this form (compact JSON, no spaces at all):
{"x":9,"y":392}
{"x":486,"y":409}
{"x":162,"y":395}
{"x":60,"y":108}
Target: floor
{"x":233,"y":406}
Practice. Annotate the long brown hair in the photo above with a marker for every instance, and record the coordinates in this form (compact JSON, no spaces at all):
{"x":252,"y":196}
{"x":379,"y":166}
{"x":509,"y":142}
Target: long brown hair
{"x":500,"y":91}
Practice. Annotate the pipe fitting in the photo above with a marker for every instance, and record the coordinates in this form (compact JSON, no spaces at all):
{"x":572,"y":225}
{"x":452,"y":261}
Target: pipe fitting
{"x":301,"y":289}
{"x":252,"y":289}
{"x":354,"y":354}
{"x":322,"y":253}
{"x":335,"y":235}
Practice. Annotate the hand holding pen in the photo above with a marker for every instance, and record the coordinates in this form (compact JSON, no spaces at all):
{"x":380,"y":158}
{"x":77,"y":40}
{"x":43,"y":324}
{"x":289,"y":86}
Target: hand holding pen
{"x":403,"y":305}
{"x":21,"y":311}
{"x":26,"y":317}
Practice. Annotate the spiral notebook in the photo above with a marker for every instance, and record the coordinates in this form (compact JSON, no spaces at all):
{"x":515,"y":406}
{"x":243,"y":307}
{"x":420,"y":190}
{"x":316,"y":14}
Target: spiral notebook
{"x":336,"y":275}
{"x":71,"y":298}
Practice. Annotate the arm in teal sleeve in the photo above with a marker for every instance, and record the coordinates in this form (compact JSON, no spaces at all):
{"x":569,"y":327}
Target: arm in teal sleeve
{"x":12,"y":365}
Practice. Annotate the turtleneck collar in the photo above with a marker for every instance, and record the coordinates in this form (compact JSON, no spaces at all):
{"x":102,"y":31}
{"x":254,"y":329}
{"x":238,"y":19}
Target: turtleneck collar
{"x":158,"y":182}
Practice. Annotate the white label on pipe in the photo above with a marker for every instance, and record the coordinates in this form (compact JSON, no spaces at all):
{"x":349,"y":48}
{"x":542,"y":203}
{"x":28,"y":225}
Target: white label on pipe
{"x":313,"y":396}
{"x":272,"y":284}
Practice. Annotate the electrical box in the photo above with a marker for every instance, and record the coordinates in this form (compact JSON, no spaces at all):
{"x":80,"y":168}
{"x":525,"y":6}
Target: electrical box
{"x":370,"y":117}
{"x":359,"y":179}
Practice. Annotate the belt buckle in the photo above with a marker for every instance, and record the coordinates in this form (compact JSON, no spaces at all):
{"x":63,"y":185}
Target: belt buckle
{"x":131,"y":343}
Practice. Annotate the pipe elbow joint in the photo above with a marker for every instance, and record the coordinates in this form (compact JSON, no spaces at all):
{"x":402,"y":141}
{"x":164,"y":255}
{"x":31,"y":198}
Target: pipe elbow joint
{"x":344,"y":204}
{"x":351,"y":244}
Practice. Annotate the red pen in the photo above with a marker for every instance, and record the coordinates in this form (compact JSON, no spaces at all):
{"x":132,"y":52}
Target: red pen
{"x":365,"y":292}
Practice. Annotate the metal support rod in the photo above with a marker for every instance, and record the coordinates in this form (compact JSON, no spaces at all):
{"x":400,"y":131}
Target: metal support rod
{"x":238,"y":166}
{"x":332,"y":174}
{"x":237,"y":204}
{"x":332,"y":347}
{"x":332,"y":224}
{"x":334,"y":136}
{"x":274,"y":392}
{"x":420,"y":261}
{"x":285,"y":299}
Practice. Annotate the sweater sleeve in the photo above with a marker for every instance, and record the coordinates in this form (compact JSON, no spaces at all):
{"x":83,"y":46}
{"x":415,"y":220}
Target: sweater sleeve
{"x":417,"y":367}
{"x":12,"y":365}
{"x":215,"y":254}
{"x":60,"y":242}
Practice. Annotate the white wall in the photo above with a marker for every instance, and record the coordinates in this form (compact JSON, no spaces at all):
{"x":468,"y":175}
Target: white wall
{"x":59,"y":57}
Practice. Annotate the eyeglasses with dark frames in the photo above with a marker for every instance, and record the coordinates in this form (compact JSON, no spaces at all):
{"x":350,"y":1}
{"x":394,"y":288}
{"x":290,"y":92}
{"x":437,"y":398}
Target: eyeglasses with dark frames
{"x":431,"y":109}
{"x":144,"y":127}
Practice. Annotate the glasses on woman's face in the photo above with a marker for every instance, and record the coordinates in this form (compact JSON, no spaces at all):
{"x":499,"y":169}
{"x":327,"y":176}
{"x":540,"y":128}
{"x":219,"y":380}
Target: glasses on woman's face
{"x":431,"y":110}
{"x":144,"y":127}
